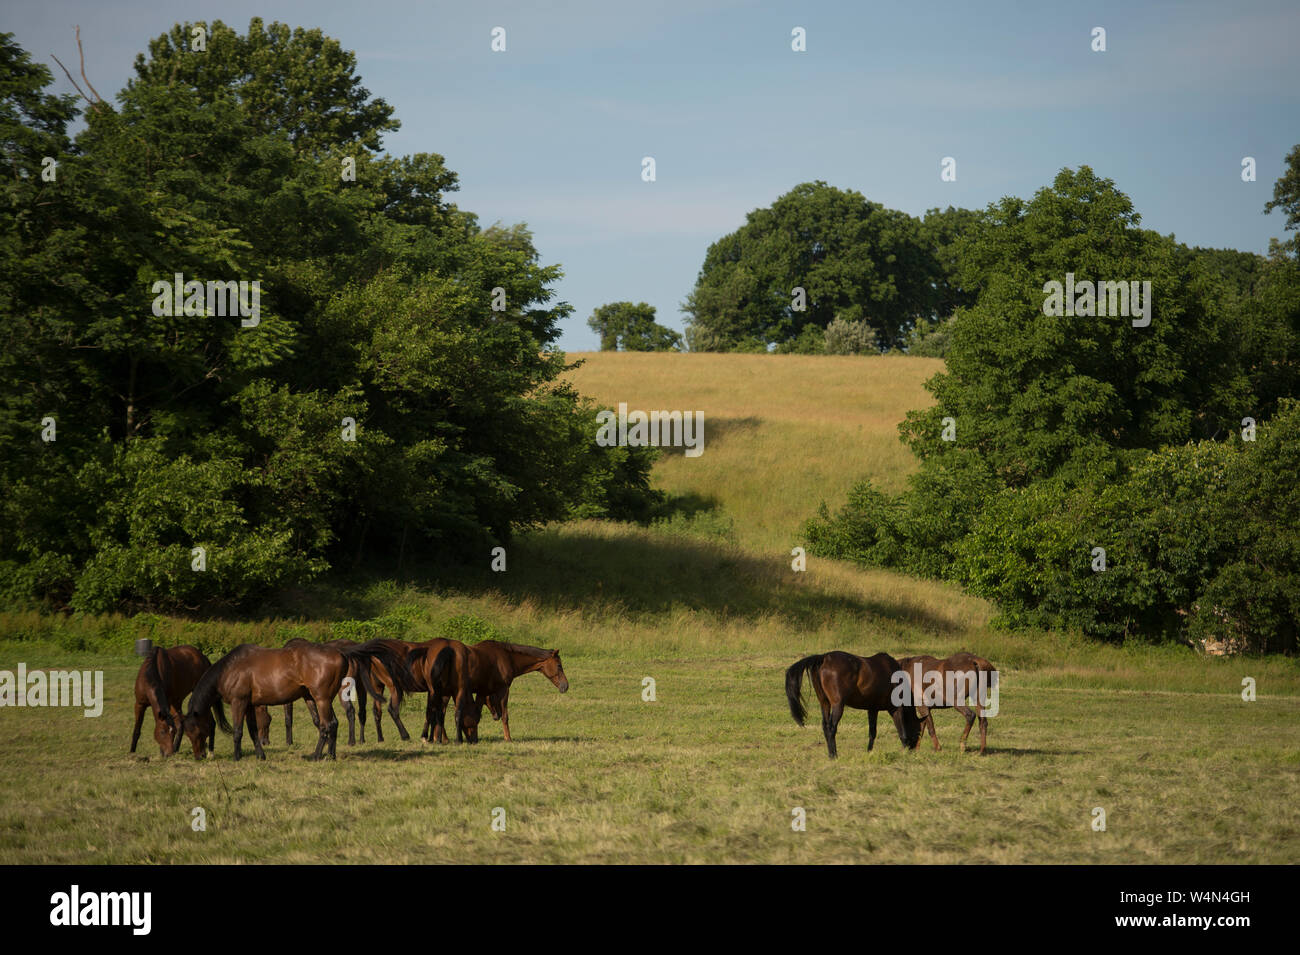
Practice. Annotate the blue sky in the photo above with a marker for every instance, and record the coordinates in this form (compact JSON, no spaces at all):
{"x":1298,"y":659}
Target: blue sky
{"x":552,"y":131}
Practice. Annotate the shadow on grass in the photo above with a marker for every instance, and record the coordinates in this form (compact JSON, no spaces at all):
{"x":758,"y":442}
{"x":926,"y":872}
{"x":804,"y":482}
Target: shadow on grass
{"x":653,"y":574}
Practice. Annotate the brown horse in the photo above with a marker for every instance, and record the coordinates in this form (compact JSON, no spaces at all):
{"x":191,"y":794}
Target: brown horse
{"x":350,"y":708}
{"x":493,"y":666}
{"x":941,"y":684}
{"x":864,"y":683}
{"x":443,"y":667}
{"x":166,"y":677}
{"x":405,"y":677}
{"x":250,"y":676}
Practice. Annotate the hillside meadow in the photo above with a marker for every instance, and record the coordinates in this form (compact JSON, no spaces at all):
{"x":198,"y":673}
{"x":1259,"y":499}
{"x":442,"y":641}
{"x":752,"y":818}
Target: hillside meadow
{"x":706,"y":605}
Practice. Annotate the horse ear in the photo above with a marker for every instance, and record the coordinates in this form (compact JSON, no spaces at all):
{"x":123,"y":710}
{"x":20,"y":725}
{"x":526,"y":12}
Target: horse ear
{"x":555,"y":653}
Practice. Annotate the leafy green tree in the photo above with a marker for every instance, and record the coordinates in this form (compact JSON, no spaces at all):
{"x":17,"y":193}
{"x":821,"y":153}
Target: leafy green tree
{"x":623,"y":326}
{"x":1033,"y":393}
{"x":383,"y":403}
{"x":853,"y":258}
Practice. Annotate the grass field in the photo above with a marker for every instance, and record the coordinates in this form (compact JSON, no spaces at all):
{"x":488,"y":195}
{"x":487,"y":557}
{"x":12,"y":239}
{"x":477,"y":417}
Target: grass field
{"x":706,"y":605}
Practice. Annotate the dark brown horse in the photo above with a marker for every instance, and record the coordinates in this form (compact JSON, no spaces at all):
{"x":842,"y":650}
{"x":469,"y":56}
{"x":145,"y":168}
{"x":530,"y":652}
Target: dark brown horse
{"x":865,"y":683}
{"x":493,"y":666}
{"x":443,"y":666}
{"x":166,"y":677}
{"x":250,"y":676}
{"x":941,"y":684}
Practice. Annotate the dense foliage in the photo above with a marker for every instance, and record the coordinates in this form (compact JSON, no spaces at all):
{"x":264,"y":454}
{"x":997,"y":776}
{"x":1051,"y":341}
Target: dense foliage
{"x":1052,"y":435}
{"x":853,"y":259}
{"x":397,"y":393}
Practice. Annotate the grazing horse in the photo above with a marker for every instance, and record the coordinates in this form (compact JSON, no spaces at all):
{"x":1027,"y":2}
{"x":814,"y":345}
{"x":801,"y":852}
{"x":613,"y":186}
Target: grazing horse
{"x":865,"y":683}
{"x":250,"y":676}
{"x":166,"y":677}
{"x":493,"y":666}
{"x":959,"y":677}
{"x":350,"y":709}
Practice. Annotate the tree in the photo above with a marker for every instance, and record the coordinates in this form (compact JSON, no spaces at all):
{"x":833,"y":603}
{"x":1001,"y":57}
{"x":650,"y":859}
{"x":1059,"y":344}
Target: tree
{"x":623,"y":326}
{"x":852,"y":258}
{"x":1034,"y":393}
{"x":382,"y":403}
{"x":1286,"y":196}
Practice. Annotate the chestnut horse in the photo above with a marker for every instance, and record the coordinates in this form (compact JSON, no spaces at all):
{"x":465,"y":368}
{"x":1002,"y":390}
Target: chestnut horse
{"x":250,"y":676}
{"x":406,"y":677}
{"x":865,"y":683}
{"x":166,"y":677}
{"x":350,"y":708}
{"x":958,"y":678}
{"x":493,"y":666}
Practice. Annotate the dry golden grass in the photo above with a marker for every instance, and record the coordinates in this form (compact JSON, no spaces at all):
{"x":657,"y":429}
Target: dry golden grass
{"x":781,"y":432}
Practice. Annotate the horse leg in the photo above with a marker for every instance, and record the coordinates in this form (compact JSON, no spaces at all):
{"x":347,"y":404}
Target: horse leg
{"x":427,"y":733}
{"x":379,"y":718}
{"x":361,"y":706}
{"x":871,"y":728}
{"x":329,"y":725}
{"x":139,"y":719}
{"x":237,"y":708}
{"x":350,"y":712}
{"x":970,"y":721}
{"x":929,"y":722}
{"x":314,"y":711}
{"x":505,"y":713}
{"x":288,"y":724}
{"x":832,"y":725}
{"x":393,"y":704}
{"x":439,"y":728}
{"x":984,"y":729}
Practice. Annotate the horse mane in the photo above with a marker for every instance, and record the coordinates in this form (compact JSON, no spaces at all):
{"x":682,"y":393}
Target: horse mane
{"x":205,"y":694}
{"x":535,"y":652}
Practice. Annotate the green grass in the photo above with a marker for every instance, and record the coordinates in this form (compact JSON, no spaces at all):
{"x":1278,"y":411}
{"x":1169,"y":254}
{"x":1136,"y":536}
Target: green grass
{"x":708,"y":606}
{"x":709,"y":771}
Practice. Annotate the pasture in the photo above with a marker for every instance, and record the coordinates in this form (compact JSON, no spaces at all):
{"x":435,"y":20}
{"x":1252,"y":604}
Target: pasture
{"x":707,"y":606}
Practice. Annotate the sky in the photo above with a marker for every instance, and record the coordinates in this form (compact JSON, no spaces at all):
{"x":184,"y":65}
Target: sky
{"x":553,"y":130}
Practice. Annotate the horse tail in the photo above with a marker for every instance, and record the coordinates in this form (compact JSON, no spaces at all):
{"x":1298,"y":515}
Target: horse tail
{"x":794,"y":684}
{"x":377,"y":650}
{"x":444,"y":661}
{"x":156,"y":667}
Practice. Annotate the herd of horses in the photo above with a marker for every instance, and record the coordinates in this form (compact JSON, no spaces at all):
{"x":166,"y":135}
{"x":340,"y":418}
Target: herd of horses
{"x":250,"y":678}
{"x":908,"y":690}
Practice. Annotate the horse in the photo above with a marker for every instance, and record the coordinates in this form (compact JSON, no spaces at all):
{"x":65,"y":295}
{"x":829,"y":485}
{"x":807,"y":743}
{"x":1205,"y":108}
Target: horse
{"x":865,"y":683}
{"x":442,"y":665}
{"x":493,"y":666}
{"x":961,"y":676}
{"x":166,"y":677}
{"x":251,"y":676}
{"x":350,"y":709}
{"x":405,"y":677}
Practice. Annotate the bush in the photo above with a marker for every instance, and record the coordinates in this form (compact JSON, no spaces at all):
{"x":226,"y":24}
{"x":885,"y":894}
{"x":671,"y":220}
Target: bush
{"x":850,"y":338}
